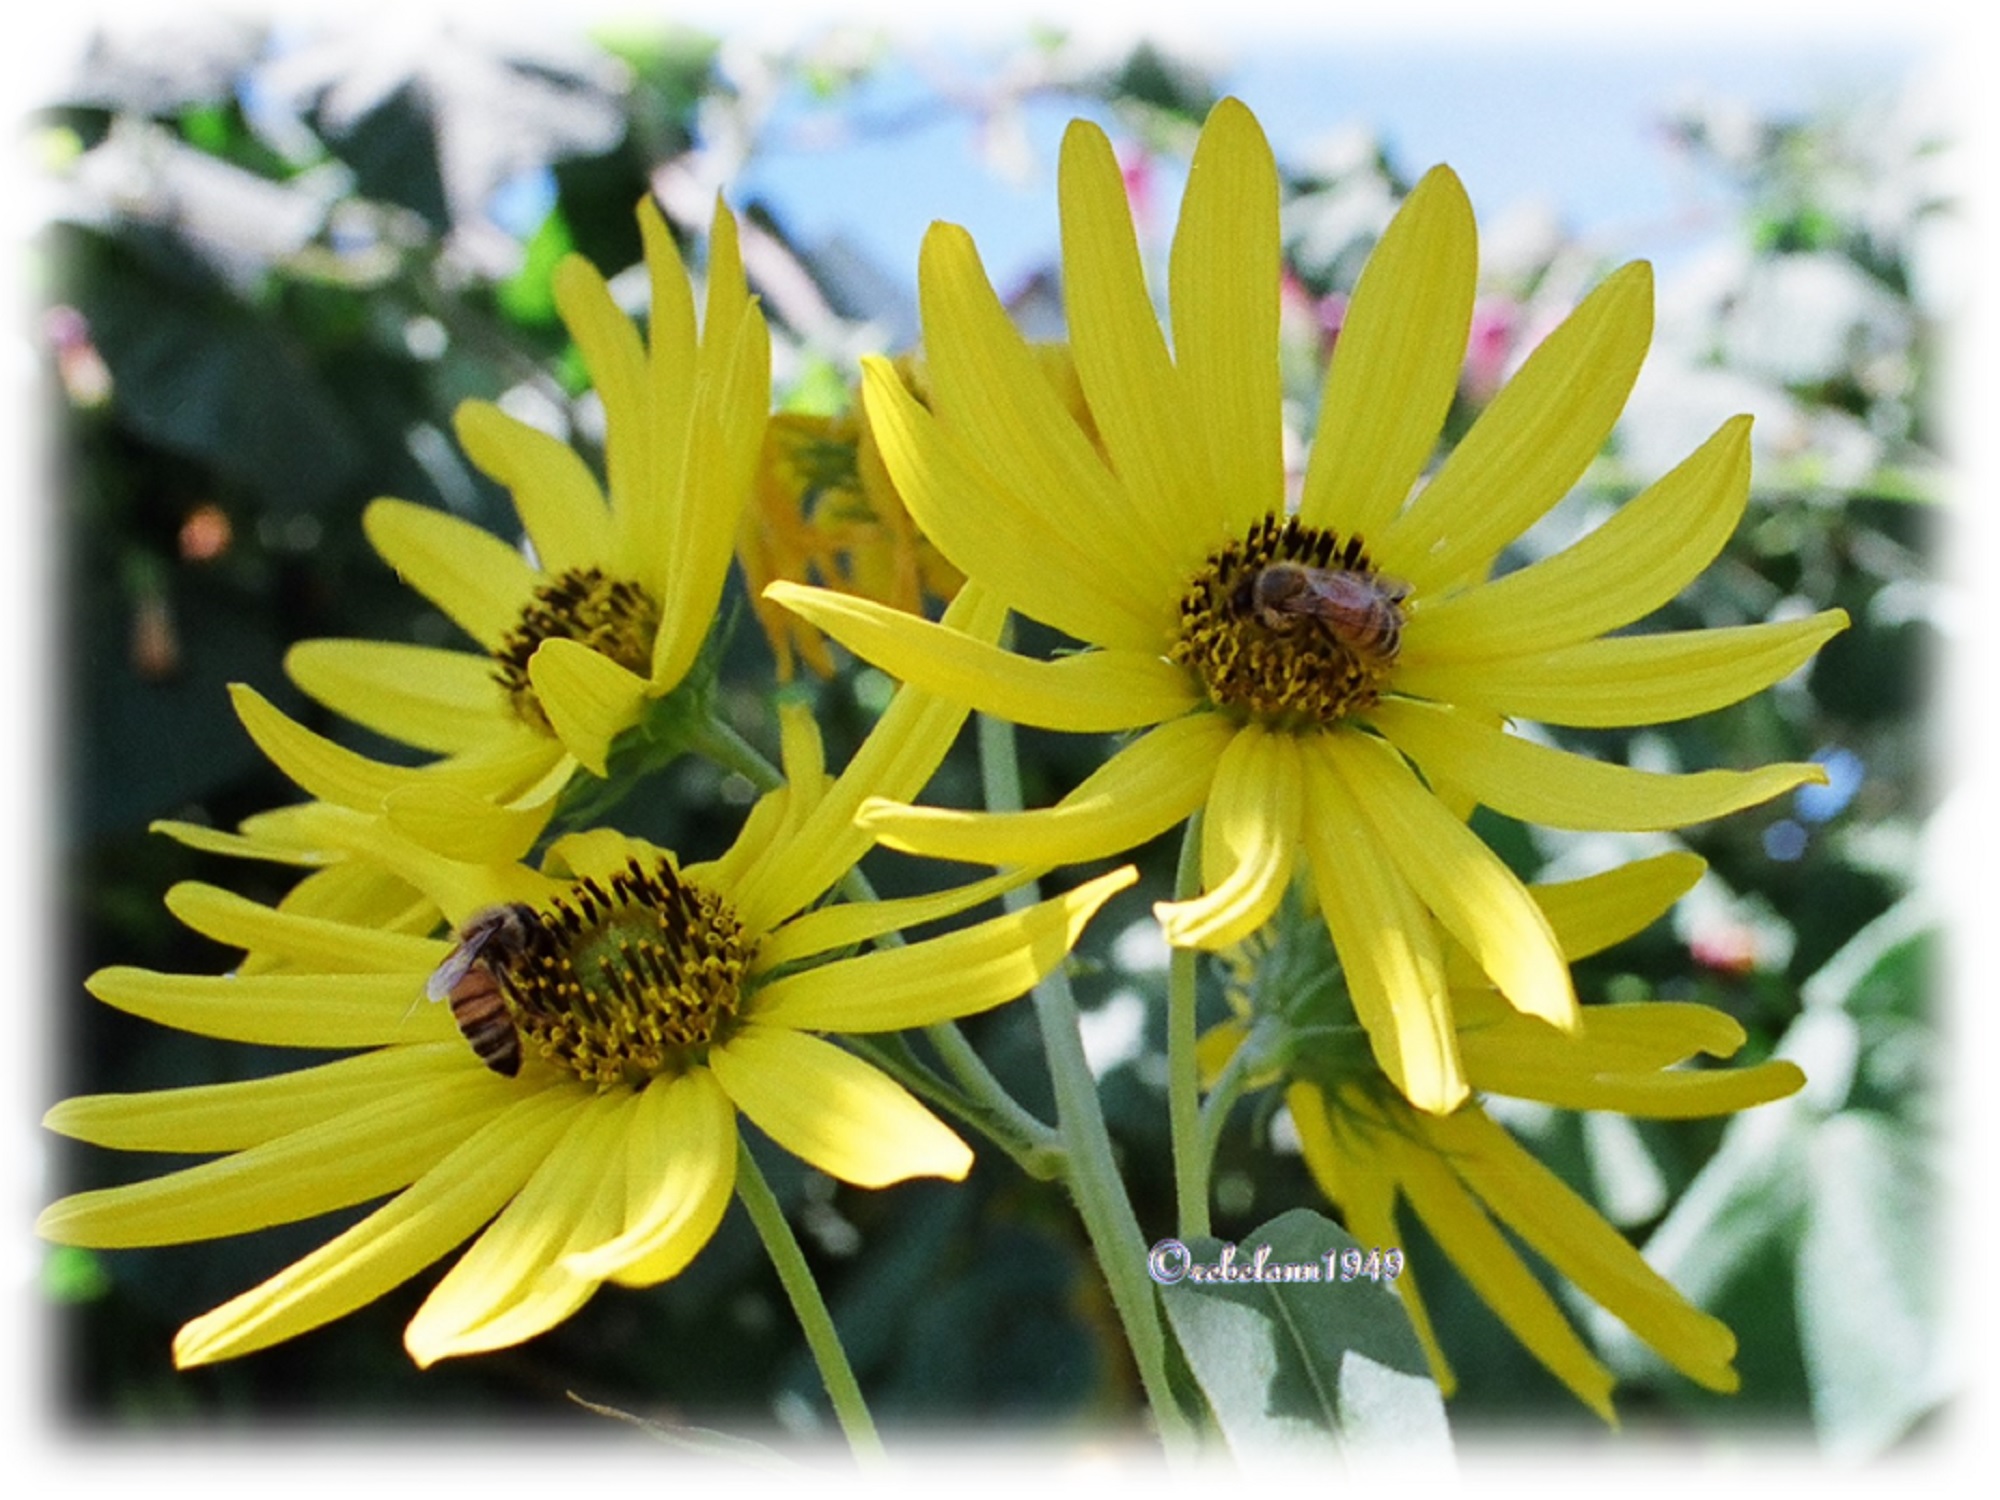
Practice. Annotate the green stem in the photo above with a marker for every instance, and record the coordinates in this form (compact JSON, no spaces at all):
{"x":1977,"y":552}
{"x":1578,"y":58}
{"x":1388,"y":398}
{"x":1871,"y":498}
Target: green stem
{"x":1221,"y":1100}
{"x":723,"y":745}
{"x":1092,"y":1172}
{"x":970,"y":1069}
{"x":985,"y":1100}
{"x":783,"y":1248}
{"x":1183,"y":1072}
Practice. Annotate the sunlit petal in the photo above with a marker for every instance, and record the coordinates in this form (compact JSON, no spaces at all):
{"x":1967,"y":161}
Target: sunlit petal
{"x":834,"y":1110}
{"x":392,"y":1244}
{"x":1086,"y":692}
{"x":1142,"y":791}
{"x":479,"y":581}
{"x":1386,"y":945}
{"x":1250,"y":840}
{"x":1540,"y":785}
{"x":1223,"y":282}
{"x":942,"y":978}
{"x":1532,"y":443}
{"x":1396,"y":366}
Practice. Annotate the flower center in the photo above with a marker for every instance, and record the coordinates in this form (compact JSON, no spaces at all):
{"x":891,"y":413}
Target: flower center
{"x":619,"y":985}
{"x":1291,"y":624}
{"x":609,"y":615}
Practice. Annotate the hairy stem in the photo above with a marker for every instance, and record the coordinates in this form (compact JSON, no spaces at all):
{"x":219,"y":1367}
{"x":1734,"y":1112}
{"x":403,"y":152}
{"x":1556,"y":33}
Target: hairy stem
{"x":783,"y":1248}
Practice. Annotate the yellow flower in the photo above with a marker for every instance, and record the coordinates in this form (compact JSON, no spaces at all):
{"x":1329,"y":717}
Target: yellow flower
{"x":613,"y":605}
{"x":1461,"y":1172}
{"x":626,"y":1008}
{"x":826,"y":512}
{"x":1328,"y":683}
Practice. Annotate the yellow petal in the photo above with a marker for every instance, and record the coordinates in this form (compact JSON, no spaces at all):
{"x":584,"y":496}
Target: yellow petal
{"x":1121,"y":357}
{"x":1650,"y":549}
{"x":1629,"y":679}
{"x":723,"y":447}
{"x":616,"y":360}
{"x":999,"y":410}
{"x":239,"y":846}
{"x":1139,"y":793}
{"x":801,"y":749}
{"x":1387,"y":946}
{"x":833,"y":1110}
{"x":473,"y":829}
{"x":680,"y":1169}
{"x":671,"y":366}
{"x":1634,"y":1038}
{"x":283,"y":1010}
{"x":1092,"y":691}
{"x":1503,"y":1282}
{"x":475,"y":578}
{"x":389,"y":1246}
{"x":1532,"y":443}
{"x":1035,"y":566}
{"x":589,"y":698}
{"x":336,"y":774}
{"x":1541,"y":785}
{"x":1686,"y":1095}
{"x":355,"y":893}
{"x":849,"y":924}
{"x":1250,"y":840}
{"x":554,"y":492}
{"x":237,"y":922}
{"x":1223,"y":280}
{"x":959,"y":974}
{"x":445,"y":701}
{"x":1366,"y":1193}
{"x":1216,"y":1046}
{"x":1477,"y":898}
{"x":729,"y":303}
{"x":452,"y":885}
{"x":729,"y":870}
{"x":906,"y":745}
{"x":1591,"y":914}
{"x":515,"y":1282}
{"x":352,"y":1157}
{"x":232,"y":1116}
{"x":362,"y":895}
{"x":321,"y":768}
{"x":1396,"y":365}
{"x":1572,"y":1237}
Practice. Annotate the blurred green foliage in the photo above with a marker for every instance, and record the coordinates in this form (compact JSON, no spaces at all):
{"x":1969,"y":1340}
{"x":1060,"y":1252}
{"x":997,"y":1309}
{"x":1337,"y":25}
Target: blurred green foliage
{"x":281,"y":260}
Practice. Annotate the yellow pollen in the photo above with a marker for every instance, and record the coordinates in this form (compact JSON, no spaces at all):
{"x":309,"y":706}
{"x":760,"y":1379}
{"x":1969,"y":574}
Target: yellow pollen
{"x":611,"y":616}
{"x":623,"y":980}
{"x":1291,"y":625}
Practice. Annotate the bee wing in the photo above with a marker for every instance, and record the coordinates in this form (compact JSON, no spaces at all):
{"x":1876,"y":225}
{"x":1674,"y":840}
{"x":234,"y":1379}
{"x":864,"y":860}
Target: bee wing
{"x":1340,"y":590}
{"x":447,"y":974}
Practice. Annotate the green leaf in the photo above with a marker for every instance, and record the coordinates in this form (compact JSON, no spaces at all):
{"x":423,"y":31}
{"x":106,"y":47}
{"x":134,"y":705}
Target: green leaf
{"x":1302,"y":1365}
{"x":1868,"y":1269}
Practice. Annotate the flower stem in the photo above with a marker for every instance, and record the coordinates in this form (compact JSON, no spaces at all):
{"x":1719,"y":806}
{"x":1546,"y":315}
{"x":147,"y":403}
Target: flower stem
{"x":723,"y":745}
{"x":1183,"y":1072}
{"x":783,"y":1248}
{"x":1092,"y":1172}
{"x":1222,"y":1097}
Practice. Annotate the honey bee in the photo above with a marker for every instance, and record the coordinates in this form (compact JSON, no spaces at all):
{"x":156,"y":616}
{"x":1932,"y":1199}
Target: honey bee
{"x":1359,"y":611}
{"x":467,"y":979}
